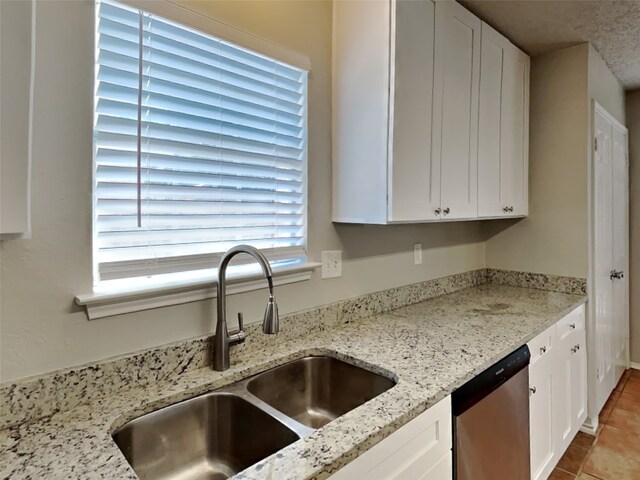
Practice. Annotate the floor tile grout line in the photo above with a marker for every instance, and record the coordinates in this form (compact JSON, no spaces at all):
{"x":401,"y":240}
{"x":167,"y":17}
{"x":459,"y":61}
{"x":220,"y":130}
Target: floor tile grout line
{"x":605,"y":422}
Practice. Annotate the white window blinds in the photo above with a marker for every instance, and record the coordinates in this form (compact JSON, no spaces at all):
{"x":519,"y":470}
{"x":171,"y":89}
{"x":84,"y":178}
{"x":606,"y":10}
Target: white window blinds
{"x":199,"y":145}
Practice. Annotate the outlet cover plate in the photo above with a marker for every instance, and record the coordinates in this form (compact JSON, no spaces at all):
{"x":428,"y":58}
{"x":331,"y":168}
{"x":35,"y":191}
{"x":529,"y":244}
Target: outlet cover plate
{"x":331,"y":264}
{"x":417,"y":253}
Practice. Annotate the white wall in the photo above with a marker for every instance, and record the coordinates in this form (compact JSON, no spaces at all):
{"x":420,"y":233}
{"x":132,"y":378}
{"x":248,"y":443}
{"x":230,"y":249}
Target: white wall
{"x":553,"y":239}
{"x":633,"y":123}
{"x":41,"y":328}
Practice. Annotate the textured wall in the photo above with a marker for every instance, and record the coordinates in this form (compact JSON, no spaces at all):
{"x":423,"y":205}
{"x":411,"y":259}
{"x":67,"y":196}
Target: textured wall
{"x":42,"y":329}
{"x":633,"y":123}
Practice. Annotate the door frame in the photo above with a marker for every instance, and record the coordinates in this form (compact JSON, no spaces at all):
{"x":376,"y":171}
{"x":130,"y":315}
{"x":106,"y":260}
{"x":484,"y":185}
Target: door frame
{"x":591,"y":423}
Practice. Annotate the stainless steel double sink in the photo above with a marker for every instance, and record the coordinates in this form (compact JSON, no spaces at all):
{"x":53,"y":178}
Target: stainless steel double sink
{"x":218,"y":434}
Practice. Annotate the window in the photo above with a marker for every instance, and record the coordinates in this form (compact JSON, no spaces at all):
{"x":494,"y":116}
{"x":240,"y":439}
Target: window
{"x":199,"y":145}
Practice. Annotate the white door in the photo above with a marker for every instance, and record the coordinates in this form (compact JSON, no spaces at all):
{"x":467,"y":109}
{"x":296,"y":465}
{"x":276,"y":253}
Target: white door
{"x":455,"y":102}
{"x":603,"y":248}
{"x":620,"y":219}
{"x":414,"y":181}
{"x":503,"y":128}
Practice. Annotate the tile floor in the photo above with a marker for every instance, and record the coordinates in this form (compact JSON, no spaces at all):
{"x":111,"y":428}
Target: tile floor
{"x":614,"y":454}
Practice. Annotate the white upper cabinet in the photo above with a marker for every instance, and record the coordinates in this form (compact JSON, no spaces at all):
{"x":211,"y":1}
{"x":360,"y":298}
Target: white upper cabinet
{"x":455,"y":109}
{"x":503,"y":140}
{"x":414,"y":187}
{"x":382,"y":94}
{"x":406,"y":108}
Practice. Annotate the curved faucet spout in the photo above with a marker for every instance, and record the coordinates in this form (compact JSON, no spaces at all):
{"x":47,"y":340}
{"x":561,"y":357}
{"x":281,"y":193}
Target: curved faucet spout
{"x":270,"y":325}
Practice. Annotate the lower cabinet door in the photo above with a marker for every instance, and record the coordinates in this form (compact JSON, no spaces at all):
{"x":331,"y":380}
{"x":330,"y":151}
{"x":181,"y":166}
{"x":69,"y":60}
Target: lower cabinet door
{"x":563,"y":404}
{"x":578,"y":360}
{"x":441,"y":471}
{"x":421,"y":449}
{"x":541,"y":425}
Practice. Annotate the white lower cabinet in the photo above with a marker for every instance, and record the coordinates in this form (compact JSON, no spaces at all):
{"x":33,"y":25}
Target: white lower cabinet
{"x":420,"y":450}
{"x":558,"y":391}
{"x":541,"y":404}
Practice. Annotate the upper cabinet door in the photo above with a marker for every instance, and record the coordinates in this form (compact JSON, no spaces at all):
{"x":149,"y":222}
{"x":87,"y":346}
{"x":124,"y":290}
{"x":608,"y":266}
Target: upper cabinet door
{"x":455,"y":108}
{"x":414,"y":192}
{"x":503,"y":137}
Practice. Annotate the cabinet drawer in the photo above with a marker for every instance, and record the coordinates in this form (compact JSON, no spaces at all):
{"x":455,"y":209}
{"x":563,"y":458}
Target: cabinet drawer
{"x":413,"y":451}
{"x":543,"y":345}
{"x":574,"y":322}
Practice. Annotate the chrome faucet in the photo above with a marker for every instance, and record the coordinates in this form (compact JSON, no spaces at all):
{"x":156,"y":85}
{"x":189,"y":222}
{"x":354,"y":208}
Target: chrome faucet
{"x":271,"y":322}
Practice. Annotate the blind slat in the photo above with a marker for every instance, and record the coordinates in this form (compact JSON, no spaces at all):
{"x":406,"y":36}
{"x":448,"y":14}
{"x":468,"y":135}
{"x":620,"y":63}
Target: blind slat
{"x":216,"y":137}
{"x":125,"y":139}
{"x":173,"y":176}
{"x":119,"y":95}
{"x":116,"y":73}
{"x":241,"y":166}
{"x":108,"y":206}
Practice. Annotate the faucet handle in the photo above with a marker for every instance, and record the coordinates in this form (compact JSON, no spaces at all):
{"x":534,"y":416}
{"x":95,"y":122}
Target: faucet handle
{"x":240,"y":335}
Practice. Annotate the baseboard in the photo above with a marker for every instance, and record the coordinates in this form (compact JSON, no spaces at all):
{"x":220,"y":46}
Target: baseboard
{"x":635,"y":366}
{"x":590,"y":426}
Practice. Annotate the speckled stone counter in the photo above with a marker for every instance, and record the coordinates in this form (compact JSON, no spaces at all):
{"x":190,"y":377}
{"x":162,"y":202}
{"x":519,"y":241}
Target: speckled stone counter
{"x":430,"y":348}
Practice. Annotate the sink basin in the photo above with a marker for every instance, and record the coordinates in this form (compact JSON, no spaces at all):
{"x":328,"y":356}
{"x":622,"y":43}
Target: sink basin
{"x":218,"y":434}
{"x":213,"y":436}
{"x":316,"y":390}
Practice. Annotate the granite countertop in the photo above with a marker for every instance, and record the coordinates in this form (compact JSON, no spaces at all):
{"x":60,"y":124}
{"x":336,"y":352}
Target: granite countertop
{"x":431,"y":348}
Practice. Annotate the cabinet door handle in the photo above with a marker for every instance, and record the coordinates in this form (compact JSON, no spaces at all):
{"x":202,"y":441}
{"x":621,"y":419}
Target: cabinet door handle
{"x":438,"y":211}
{"x":446,"y":211}
{"x":505,"y":209}
{"x":543,"y":350}
{"x":533,"y":390}
{"x":575,"y":349}
{"x":572,"y":326}
{"x":511,"y":209}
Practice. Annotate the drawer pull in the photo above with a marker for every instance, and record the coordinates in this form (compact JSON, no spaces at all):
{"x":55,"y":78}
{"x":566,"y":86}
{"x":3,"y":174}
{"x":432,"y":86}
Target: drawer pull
{"x":543,"y":350}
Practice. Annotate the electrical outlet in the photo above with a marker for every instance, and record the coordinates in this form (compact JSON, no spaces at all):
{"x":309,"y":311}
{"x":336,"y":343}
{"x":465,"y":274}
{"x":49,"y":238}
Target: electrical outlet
{"x":332,"y":264}
{"x":417,"y":253}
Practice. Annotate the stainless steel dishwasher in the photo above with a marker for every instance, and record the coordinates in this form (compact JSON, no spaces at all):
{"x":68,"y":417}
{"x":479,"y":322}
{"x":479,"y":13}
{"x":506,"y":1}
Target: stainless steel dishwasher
{"x":491,"y":422}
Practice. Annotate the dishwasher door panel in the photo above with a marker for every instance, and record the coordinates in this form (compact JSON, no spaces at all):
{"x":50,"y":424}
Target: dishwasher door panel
{"x":492,"y":437}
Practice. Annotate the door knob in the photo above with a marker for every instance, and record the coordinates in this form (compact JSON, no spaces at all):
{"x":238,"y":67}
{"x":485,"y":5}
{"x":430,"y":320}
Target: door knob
{"x":616,"y":275}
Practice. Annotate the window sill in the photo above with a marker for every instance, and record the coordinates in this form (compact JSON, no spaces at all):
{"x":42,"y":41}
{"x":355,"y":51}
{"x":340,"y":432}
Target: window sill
{"x":118,"y":302}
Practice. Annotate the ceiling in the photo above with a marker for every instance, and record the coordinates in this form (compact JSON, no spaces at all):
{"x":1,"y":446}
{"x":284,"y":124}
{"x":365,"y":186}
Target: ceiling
{"x":612,"y":27}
